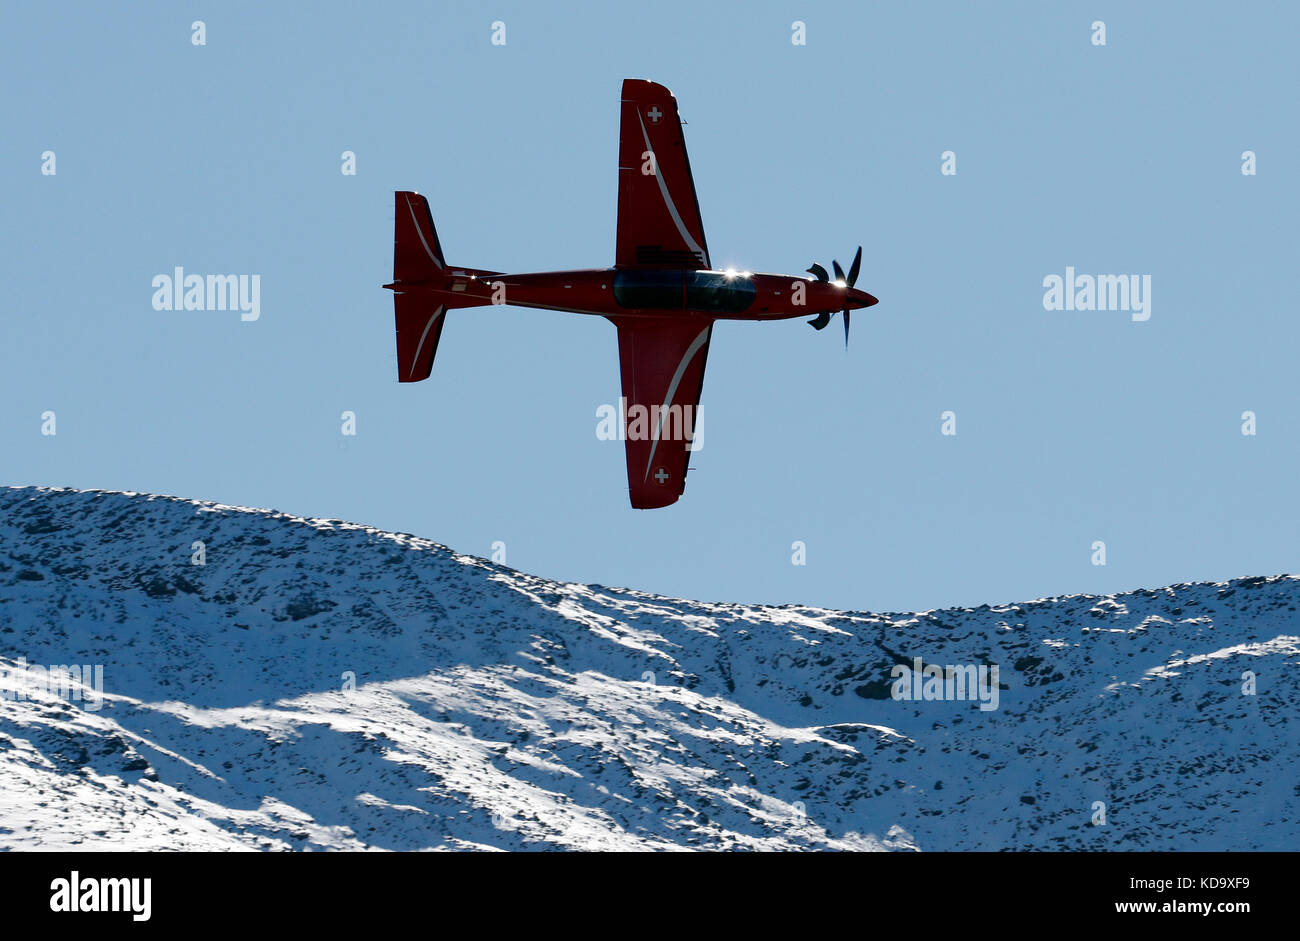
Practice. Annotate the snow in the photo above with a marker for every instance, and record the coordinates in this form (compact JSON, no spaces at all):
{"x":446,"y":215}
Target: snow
{"x":323,"y":685}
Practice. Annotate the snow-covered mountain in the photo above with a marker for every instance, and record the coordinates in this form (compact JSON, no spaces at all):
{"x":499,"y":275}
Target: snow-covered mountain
{"x":317,"y":684}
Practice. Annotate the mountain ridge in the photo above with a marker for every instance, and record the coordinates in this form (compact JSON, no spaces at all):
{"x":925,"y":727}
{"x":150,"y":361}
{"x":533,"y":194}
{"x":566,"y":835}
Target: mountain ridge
{"x":494,"y":709}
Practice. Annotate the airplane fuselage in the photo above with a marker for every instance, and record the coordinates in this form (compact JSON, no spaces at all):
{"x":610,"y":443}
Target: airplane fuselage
{"x":723,"y":295}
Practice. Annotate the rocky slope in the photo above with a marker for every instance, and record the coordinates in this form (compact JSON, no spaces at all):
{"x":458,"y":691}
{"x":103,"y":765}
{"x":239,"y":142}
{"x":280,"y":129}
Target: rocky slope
{"x":317,"y":684}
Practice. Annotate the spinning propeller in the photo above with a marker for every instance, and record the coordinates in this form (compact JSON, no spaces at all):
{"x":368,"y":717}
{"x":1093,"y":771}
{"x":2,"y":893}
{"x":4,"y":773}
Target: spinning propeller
{"x":818,"y":272}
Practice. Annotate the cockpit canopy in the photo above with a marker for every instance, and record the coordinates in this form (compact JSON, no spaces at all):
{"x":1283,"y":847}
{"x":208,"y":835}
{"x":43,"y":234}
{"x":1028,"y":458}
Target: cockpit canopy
{"x":708,"y":291}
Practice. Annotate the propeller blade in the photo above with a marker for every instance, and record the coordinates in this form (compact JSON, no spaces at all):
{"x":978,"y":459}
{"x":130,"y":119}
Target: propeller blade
{"x":820,"y":321}
{"x":846,"y":328}
{"x":839,"y":272}
{"x":818,"y":272}
{"x":855,"y":267}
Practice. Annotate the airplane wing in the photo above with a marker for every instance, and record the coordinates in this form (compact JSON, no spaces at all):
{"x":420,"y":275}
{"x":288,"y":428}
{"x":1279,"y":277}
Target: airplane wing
{"x":658,"y":216}
{"x":662,"y":364}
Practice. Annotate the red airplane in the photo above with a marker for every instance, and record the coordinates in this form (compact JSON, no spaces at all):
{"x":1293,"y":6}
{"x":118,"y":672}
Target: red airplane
{"x":662,"y":293}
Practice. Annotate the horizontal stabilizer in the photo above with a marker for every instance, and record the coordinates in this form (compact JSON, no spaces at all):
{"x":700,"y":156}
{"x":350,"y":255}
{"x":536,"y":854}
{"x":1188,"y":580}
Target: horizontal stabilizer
{"x":419,"y":327}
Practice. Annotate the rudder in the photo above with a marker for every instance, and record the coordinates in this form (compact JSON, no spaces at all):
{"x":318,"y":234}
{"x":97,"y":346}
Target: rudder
{"x":417,"y":253}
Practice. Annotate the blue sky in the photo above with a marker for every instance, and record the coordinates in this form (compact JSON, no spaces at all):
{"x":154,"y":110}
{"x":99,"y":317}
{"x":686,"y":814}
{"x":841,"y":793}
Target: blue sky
{"x":1072,"y":426}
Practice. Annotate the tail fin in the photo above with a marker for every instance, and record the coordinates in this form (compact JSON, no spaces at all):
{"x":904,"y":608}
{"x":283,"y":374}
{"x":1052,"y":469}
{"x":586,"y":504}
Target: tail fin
{"x":417,"y":259}
{"x":417,"y":254}
{"x":424,"y":287}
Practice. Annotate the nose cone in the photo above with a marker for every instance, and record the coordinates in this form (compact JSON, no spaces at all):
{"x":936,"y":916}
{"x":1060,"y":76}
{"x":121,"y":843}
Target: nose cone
{"x":858,"y":299}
